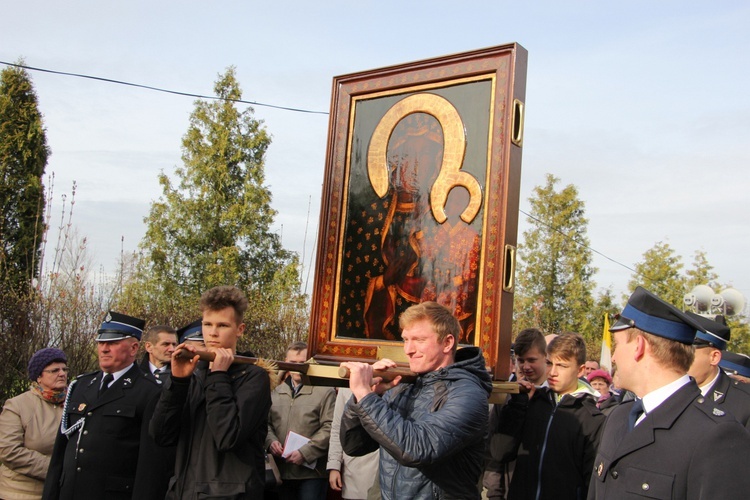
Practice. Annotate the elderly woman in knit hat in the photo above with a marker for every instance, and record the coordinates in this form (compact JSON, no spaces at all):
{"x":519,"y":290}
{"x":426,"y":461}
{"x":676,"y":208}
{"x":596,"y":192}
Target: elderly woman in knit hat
{"x":601,"y":381}
{"x":28,"y":426}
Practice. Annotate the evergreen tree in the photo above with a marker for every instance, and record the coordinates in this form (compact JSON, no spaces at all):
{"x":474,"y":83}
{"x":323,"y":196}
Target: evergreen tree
{"x":212,"y":226}
{"x":23,"y":158}
{"x":555,"y":282}
{"x":660,"y":273}
{"x":702,"y":273}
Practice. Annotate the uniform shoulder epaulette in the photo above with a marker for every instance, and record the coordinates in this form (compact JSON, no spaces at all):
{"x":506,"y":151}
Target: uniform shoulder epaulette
{"x":741,"y":386}
{"x":87,"y":374}
{"x":709,"y":408}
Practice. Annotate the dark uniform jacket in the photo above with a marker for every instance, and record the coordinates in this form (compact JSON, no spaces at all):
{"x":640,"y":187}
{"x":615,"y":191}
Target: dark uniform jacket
{"x":219,"y":422}
{"x":554,"y":443}
{"x":686,"y":448}
{"x":157,"y":476}
{"x":431,"y":433}
{"x":100,"y":460}
{"x":733,"y":396}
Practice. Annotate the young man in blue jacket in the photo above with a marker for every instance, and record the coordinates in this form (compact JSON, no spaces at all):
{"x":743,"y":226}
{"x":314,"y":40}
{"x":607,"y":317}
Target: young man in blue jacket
{"x":431,"y":433}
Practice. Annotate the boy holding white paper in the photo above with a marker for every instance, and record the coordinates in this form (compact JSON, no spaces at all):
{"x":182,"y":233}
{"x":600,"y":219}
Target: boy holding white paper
{"x":300,"y":417}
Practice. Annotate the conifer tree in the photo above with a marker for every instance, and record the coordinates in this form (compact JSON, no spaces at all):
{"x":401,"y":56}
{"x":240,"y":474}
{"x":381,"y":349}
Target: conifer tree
{"x":660,"y":272}
{"x":555,"y":278}
{"x":23,"y":158}
{"x":212,"y":224}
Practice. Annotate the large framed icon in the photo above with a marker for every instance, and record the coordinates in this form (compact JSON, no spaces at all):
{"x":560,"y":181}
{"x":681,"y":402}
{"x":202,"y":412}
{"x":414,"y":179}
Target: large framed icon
{"x":420,"y":202}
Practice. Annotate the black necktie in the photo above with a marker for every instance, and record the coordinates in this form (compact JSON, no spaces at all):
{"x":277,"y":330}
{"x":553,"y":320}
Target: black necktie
{"x":635,"y":413}
{"x":108,"y":378}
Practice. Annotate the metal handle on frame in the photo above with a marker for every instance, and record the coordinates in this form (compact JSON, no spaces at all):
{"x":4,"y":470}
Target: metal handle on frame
{"x":509,"y":268}
{"x":517,"y":129}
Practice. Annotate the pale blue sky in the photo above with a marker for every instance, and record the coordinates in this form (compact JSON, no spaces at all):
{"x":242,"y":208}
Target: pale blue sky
{"x":642,"y":105}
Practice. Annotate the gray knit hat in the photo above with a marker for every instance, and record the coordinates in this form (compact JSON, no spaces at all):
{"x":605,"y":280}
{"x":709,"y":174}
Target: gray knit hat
{"x":42,"y":358}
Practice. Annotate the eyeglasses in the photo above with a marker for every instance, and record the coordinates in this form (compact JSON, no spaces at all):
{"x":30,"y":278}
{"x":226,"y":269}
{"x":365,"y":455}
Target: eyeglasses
{"x":55,"y":371}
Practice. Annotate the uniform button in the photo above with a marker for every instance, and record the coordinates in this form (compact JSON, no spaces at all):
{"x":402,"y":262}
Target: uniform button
{"x":645,"y":486}
{"x":89,"y":414}
{"x":118,"y":411}
{"x":78,"y":469}
{"x":85,"y":433}
{"x":80,"y":450}
{"x":701,"y":399}
{"x":614,"y":474}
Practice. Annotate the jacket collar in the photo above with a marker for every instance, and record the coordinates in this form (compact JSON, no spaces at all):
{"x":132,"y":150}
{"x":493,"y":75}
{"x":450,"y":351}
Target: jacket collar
{"x":662,"y":417}
{"x":116,"y":391}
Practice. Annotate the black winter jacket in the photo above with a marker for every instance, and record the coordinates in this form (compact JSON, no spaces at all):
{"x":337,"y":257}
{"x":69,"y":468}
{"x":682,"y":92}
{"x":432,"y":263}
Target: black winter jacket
{"x":219,"y":422}
{"x":554,"y":444}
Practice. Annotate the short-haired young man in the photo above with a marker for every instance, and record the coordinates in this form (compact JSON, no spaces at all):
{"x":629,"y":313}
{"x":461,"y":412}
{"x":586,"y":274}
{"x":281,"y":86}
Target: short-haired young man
{"x":215,"y":412}
{"x":553,"y":431}
{"x":530,"y":348}
{"x":672,"y":442}
{"x":431,"y":433}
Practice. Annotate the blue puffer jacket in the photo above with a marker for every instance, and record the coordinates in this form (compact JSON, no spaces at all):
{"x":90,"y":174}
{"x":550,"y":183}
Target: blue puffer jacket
{"x":431,"y":433}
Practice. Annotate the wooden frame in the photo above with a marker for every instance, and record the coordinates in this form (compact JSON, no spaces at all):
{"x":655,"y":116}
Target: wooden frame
{"x":420,"y":202}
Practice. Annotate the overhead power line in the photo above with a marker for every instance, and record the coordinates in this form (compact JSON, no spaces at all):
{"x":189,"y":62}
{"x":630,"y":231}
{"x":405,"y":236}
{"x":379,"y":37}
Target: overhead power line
{"x":581,"y":244}
{"x":166,"y":91}
{"x":285,"y":108}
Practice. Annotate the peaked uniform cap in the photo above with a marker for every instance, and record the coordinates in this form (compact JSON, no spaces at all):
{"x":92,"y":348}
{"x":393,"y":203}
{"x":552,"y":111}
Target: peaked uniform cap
{"x":118,"y":326}
{"x":651,"y":314}
{"x":716,"y":334}
{"x":735,"y":363}
{"x":193,"y":331}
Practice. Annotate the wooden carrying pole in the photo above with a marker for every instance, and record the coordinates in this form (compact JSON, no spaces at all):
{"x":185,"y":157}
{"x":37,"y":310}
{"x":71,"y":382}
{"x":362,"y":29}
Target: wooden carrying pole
{"x":244,"y":360}
{"x":407,"y":376}
{"x":314,"y":373}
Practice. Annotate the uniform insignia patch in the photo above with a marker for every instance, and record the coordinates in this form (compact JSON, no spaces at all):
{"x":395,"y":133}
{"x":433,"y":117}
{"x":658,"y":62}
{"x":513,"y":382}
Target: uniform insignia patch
{"x":108,"y":318}
{"x":81,"y":406}
{"x":718,"y":395}
{"x":128,"y":381}
{"x":600,"y":469}
{"x":718,"y":412}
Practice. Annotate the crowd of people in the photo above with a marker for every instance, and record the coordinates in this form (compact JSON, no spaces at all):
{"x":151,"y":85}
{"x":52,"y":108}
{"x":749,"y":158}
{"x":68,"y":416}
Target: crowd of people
{"x":186,"y":421}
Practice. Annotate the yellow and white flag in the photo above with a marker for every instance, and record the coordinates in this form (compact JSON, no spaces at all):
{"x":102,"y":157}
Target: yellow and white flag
{"x":605,"y":359}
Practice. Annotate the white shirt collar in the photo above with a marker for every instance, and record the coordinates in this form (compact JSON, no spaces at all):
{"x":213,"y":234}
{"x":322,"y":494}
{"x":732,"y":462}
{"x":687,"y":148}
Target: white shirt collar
{"x":152,"y":366}
{"x":653,"y":399}
{"x":120,"y":373}
{"x":708,"y":385}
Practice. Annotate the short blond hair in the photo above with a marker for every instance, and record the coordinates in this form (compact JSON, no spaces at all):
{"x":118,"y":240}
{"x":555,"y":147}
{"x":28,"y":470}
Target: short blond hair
{"x":440,"y":318}
{"x":669,"y":353}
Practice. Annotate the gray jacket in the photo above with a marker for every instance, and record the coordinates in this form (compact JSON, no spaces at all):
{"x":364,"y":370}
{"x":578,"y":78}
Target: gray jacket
{"x":431,"y":433}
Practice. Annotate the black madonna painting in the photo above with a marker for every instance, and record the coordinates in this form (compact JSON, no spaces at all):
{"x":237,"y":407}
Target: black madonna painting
{"x":415,"y":207}
{"x":413,"y":228}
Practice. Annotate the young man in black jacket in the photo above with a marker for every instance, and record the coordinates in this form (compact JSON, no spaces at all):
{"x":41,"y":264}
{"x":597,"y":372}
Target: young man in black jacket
{"x":553,"y":431}
{"x":216,"y":412}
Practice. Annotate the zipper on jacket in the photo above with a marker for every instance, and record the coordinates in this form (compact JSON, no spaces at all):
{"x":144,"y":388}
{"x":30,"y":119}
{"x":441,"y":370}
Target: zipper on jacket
{"x":544,"y":449}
